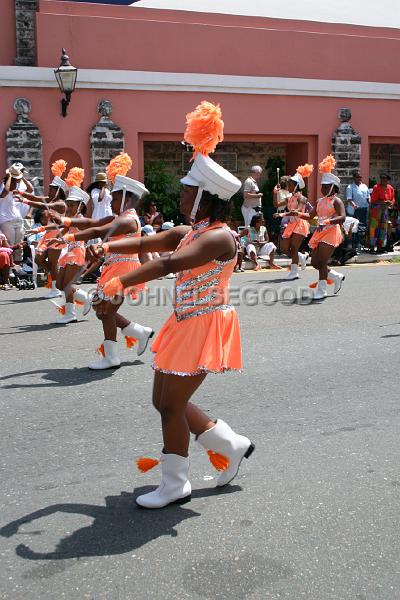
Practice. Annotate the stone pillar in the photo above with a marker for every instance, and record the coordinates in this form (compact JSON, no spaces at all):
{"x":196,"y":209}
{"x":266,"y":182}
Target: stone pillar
{"x":106,"y":139}
{"x":346,"y":148}
{"x":24,"y":143}
{"x":25,"y":20}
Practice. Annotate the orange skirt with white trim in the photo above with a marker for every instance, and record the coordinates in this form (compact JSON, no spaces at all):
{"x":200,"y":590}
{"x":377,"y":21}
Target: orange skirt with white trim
{"x":75,"y":257}
{"x":117,"y":269}
{"x":330,"y":235}
{"x":301,"y":227}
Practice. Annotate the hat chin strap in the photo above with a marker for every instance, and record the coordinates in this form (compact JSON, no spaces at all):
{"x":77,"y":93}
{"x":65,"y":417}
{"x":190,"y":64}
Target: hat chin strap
{"x":123,"y":200}
{"x":196,"y":203}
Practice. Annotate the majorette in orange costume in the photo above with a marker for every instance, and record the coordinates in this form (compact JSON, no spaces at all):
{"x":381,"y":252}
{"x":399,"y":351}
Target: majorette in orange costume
{"x":73,"y":255}
{"x":296,"y":225}
{"x":327,"y":232}
{"x":202,"y":335}
{"x":116,"y":265}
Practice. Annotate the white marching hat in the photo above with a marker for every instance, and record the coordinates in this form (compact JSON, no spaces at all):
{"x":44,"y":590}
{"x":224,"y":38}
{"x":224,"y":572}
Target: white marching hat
{"x":78,"y":195}
{"x":299,"y":180}
{"x":210,"y":176}
{"x":129,"y":185}
{"x":330,"y":179}
{"x":59,"y":183}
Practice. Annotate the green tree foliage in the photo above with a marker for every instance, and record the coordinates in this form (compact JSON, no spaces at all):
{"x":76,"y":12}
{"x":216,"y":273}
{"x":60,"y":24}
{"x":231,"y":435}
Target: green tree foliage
{"x":164,"y":187}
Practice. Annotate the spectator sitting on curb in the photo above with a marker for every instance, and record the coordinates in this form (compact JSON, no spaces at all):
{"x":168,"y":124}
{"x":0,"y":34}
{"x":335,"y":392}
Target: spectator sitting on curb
{"x":257,"y":243}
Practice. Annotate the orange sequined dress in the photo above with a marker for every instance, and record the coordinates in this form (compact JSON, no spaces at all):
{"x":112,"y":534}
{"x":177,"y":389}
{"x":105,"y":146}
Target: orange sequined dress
{"x":330,"y":234}
{"x":202,"y":335}
{"x":296,"y":224}
{"x":116,"y":265}
{"x":74,"y":253}
{"x":43,"y":242}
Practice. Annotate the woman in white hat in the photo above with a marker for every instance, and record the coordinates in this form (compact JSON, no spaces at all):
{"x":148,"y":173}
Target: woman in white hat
{"x":99,"y":205}
{"x":202,"y":335}
{"x":126,"y":194}
{"x":11,"y":221}
{"x":296,"y":229}
{"x":331,"y":215}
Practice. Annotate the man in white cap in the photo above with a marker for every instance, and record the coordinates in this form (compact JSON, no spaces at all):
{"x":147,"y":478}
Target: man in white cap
{"x":252,"y":197}
{"x":126,"y":194}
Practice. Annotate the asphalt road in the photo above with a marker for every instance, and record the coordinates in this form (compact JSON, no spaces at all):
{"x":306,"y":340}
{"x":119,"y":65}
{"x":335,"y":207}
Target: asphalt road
{"x":314,"y":513}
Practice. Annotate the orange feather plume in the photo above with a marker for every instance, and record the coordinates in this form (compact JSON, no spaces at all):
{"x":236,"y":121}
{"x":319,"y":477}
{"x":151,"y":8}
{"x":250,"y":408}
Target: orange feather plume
{"x":61,"y":309}
{"x":305,"y":170}
{"x":218,"y":461}
{"x":327,"y":165}
{"x":145,"y":464}
{"x":75,"y":177}
{"x":58,"y":167}
{"x":204,"y":128}
{"x":119,"y":165}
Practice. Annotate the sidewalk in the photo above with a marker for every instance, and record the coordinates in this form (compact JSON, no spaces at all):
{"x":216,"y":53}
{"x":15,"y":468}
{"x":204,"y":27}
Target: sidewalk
{"x":362,"y":258}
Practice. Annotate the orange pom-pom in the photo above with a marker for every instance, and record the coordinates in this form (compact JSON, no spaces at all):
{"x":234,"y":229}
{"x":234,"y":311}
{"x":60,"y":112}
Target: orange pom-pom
{"x":119,"y":165}
{"x":218,"y":461}
{"x":328,"y":164}
{"x":145,"y":464}
{"x":75,"y":177}
{"x":130,"y":341}
{"x":204,"y":128}
{"x":48,"y":283}
{"x":58,"y":167}
{"x":305,"y":170}
{"x":79,"y":303}
{"x":100,"y":350}
{"x":61,"y":309}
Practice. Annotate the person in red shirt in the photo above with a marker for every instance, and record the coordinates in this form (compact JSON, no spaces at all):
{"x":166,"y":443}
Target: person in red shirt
{"x":382,"y":199}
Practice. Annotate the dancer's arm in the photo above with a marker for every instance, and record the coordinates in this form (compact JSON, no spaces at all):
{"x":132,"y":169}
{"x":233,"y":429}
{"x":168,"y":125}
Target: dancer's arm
{"x":214,"y":245}
{"x":82,"y":222}
{"x":167,"y":241}
{"x":29,"y":196}
{"x":107,"y":227}
{"x":340,"y":211}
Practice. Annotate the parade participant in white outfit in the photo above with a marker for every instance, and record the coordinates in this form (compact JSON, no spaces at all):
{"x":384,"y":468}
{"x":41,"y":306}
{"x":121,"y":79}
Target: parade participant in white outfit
{"x":252,"y":197}
{"x":126,"y":194}
{"x":11,"y":221}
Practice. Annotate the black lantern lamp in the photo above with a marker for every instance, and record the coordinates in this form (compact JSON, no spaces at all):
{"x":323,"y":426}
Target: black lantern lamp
{"x":66,"y":78}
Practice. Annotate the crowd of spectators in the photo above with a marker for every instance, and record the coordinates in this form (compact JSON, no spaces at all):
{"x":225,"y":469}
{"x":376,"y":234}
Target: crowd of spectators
{"x":372,"y":222}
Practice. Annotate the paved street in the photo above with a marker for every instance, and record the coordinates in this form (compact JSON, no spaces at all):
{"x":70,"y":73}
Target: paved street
{"x":314,"y":513}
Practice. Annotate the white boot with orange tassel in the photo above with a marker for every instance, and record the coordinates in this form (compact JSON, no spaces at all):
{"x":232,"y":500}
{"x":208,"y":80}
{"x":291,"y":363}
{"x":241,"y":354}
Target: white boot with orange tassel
{"x":226,"y":450}
{"x":110,"y":360}
{"x":140,"y":333}
{"x":175,"y":486}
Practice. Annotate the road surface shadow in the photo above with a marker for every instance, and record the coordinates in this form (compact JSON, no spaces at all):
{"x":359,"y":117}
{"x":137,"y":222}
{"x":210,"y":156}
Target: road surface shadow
{"x":21,"y":301}
{"x":391,"y":335}
{"x":118,"y":527}
{"x":38,"y":327}
{"x":65,"y":377}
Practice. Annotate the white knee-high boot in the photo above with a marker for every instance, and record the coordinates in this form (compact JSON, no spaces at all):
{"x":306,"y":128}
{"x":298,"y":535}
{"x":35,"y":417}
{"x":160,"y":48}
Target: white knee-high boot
{"x":69,"y":315}
{"x":222,"y":440}
{"x":293,"y":273}
{"x":110,"y":359}
{"x":140,"y":333}
{"x":338,"y":279}
{"x":174,"y":487}
{"x":321,"y":291}
{"x":54,"y":292}
{"x":83,"y":297}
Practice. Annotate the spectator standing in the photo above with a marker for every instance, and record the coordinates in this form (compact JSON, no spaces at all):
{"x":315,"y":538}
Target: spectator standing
{"x":6,"y":262}
{"x":99,"y":205}
{"x":11,"y":221}
{"x":252,"y":197}
{"x":357,"y":205}
{"x":382,"y":199}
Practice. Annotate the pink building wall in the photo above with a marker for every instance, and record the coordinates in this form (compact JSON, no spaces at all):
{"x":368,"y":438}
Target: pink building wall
{"x":146,"y":40}
{"x":111,"y":37}
{"x":8,"y":37}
